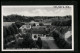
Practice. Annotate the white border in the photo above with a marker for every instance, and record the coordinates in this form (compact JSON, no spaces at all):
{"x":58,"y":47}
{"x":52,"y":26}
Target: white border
{"x":72,"y":6}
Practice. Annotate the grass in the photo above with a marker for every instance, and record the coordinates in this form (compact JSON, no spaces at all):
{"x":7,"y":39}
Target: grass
{"x":7,"y":23}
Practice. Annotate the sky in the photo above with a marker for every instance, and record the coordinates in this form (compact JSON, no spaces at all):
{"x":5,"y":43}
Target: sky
{"x":36,"y":10}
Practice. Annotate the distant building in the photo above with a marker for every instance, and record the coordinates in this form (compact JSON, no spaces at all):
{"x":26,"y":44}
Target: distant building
{"x":39,"y":27}
{"x":46,"y":23}
{"x":25,"y":27}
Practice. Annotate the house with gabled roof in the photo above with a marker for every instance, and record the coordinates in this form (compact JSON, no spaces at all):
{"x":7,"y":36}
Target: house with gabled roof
{"x":37,"y":32}
{"x":24,"y":28}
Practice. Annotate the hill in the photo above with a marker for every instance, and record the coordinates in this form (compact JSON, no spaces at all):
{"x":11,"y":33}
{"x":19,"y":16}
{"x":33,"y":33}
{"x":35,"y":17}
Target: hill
{"x":14,"y":18}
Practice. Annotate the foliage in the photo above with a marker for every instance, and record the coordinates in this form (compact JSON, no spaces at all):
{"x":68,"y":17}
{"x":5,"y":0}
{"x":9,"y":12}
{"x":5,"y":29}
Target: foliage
{"x":39,"y":42}
{"x":15,"y":28}
{"x":20,"y":18}
{"x":28,"y":42}
{"x":8,"y":31}
{"x":41,"y":24}
{"x":5,"y":34}
{"x":12,"y":30}
{"x":35,"y":36}
{"x":61,"y":43}
{"x":18,"y":24}
{"x":62,"y":23}
{"x":34,"y":24}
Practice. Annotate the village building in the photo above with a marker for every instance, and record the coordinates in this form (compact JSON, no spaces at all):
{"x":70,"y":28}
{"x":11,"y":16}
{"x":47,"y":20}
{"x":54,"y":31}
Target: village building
{"x":38,"y":32}
{"x":24,"y":28}
{"x":46,"y":24}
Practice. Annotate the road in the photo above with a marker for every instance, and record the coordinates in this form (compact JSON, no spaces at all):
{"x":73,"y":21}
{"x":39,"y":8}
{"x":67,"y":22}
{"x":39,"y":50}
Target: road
{"x":49,"y":44}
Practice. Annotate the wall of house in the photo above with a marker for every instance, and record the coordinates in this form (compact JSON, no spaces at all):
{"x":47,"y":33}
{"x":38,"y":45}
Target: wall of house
{"x":37,"y":35}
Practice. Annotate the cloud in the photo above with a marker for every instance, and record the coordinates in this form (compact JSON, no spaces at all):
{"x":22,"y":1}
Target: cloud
{"x":33,"y":11}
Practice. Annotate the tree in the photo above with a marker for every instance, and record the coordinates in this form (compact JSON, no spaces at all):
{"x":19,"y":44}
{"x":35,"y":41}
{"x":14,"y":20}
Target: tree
{"x":41,"y":24}
{"x":55,"y":35}
{"x":61,"y":43}
{"x":35,"y":36}
{"x":8,"y":31}
{"x":5,"y":32}
{"x":69,"y":22}
{"x":12,"y":30}
{"x":28,"y":42}
{"x":18,"y":24}
{"x":39,"y":42}
{"x":34,"y":24}
{"x":15,"y":28}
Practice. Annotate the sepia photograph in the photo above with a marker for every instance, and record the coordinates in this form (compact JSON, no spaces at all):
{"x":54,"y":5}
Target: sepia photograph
{"x":37,"y":28}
